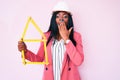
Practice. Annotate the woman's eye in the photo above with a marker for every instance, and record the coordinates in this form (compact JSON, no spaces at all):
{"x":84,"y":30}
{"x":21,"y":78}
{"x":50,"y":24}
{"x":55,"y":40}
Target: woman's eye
{"x":57,"y":16}
{"x":65,"y":16}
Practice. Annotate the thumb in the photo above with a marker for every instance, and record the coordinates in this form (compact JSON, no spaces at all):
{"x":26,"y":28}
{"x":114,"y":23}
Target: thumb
{"x":21,"y":39}
{"x":70,"y":29}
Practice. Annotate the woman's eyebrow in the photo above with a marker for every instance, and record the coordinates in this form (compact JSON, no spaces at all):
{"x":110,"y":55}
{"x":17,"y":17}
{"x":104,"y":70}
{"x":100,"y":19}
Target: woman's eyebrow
{"x":65,"y":14}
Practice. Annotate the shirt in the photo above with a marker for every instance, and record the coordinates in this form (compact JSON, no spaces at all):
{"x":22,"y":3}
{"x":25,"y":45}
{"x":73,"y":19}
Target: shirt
{"x":58,"y":50}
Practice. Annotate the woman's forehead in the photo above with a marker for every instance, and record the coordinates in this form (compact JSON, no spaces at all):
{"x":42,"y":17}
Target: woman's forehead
{"x":62,"y":13}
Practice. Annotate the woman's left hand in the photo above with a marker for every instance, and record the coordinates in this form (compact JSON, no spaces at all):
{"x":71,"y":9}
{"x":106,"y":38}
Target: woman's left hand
{"x":64,"y":33}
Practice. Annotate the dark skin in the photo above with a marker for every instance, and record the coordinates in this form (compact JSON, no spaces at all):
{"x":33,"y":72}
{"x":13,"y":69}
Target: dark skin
{"x":62,"y":21}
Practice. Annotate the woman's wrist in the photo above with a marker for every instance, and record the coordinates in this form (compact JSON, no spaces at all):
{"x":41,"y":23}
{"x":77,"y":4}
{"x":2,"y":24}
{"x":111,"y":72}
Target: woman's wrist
{"x":25,"y":50}
{"x":67,"y":41}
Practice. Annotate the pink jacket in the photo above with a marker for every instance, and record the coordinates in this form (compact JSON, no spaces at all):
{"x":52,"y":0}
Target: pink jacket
{"x":69,"y":71}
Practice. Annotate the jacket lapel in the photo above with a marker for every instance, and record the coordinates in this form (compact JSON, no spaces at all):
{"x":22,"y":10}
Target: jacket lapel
{"x":49,"y":53}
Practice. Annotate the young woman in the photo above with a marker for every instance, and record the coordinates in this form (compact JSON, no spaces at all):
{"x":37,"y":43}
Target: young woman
{"x":64,"y":48}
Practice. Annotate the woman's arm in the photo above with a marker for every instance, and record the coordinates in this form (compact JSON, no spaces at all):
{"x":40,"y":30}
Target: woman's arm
{"x":39,"y":57}
{"x":40,"y":54}
{"x":75,"y":52}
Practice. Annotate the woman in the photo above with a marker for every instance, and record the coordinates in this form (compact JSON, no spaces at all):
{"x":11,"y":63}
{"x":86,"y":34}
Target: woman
{"x":64,"y":48}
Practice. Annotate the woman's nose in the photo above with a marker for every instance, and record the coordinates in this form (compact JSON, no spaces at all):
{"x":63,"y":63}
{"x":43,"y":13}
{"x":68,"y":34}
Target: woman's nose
{"x":61,"y":20}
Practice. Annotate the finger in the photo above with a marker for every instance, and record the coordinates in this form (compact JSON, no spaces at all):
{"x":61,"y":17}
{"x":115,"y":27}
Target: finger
{"x":19,"y":42}
{"x":63,"y":26}
{"x":63,"y":23}
{"x":20,"y":48}
{"x":59,"y":27}
{"x":70,"y":29}
{"x":21,"y":45}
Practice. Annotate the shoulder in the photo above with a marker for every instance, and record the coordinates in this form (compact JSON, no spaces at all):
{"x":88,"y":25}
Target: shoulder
{"x":77,"y":37}
{"x":47,"y":34}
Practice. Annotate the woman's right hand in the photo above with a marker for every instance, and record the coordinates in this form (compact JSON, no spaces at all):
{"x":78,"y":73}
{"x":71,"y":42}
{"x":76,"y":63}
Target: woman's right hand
{"x":22,"y":46}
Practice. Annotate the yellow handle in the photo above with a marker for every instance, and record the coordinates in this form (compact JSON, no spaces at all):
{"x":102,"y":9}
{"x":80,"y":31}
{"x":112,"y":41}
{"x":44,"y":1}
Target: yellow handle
{"x":34,"y":40}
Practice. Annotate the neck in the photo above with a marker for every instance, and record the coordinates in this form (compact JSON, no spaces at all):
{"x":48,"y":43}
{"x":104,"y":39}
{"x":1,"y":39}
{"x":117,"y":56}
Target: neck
{"x":59,"y":37}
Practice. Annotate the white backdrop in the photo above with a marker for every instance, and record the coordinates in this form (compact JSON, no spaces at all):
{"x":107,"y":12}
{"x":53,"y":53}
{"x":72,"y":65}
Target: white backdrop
{"x":98,"y":21}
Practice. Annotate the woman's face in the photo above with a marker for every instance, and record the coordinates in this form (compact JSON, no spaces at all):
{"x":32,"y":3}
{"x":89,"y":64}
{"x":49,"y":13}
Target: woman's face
{"x":62,"y":17}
